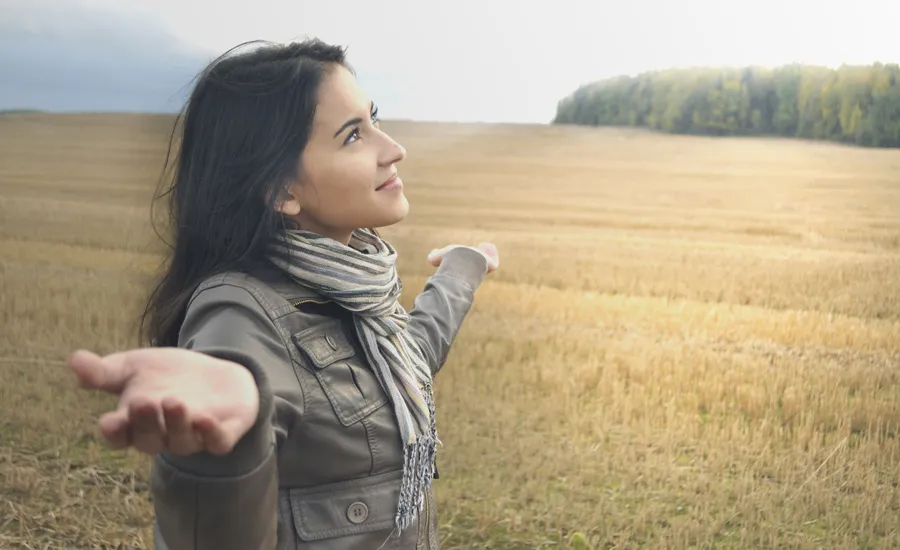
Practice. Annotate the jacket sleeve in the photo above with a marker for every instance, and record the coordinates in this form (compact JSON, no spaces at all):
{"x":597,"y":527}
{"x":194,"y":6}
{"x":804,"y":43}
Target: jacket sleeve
{"x":204,"y":501}
{"x":438,"y":312}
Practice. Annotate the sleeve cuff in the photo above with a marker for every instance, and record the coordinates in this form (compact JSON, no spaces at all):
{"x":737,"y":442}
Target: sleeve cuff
{"x":466,"y":264}
{"x":250,"y":452}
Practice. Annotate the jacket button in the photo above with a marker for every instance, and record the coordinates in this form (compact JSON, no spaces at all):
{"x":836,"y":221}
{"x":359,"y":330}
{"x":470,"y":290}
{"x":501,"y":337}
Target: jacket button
{"x":357,"y":512}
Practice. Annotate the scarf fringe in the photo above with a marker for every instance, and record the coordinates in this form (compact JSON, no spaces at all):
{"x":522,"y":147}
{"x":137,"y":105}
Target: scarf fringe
{"x":418,"y":471}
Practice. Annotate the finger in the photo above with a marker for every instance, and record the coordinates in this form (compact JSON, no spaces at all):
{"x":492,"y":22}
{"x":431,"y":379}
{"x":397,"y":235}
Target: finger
{"x":434,"y":257}
{"x":215,"y":438}
{"x":437,"y":255}
{"x":181,"y":439}
{"x":490,"y":250}
{"x":109,"y":373}
{"x":492,"y":254}
{"x":88,"y":367}
{"x":147,"y":432}
{"x":114,"y":428}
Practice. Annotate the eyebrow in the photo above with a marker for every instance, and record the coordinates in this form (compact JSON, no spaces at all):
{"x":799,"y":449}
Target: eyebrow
{"x":353,"y":121}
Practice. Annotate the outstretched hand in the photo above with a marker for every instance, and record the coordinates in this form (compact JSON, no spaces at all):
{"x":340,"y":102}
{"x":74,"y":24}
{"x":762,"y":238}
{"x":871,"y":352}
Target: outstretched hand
{"x":488,"y":250}
{"x":171,"y":399}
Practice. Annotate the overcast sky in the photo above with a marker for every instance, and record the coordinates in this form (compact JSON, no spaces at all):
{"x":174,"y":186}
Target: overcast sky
{"x":505,"y":60}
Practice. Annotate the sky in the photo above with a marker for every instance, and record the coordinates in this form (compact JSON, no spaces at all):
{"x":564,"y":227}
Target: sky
{"x":512,"y":61}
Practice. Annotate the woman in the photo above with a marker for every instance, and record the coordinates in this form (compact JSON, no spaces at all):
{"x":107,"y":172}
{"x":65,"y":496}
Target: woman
{"x":287,"y":396}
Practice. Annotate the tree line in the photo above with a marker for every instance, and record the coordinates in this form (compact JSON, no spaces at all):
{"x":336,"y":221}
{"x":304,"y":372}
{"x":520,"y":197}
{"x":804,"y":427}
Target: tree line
{"x":852,"y":104}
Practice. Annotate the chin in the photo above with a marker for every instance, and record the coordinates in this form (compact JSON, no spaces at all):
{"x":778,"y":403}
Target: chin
{"x":395,"y":214}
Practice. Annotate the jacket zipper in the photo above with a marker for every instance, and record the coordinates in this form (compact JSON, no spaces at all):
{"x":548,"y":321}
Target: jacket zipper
{"x":424,"y":542}
{"x":308,"y":301}
{"x":429,"y":543}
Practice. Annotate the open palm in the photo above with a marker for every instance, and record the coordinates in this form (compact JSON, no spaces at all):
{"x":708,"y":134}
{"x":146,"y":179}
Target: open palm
{"x":171,"y":399}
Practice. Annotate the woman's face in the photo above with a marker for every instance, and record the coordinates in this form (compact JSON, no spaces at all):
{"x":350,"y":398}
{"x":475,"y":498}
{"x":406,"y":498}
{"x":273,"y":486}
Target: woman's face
{"x":348,"y":174}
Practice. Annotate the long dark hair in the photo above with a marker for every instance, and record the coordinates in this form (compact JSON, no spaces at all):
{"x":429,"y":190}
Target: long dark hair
{"x":242,"y":131}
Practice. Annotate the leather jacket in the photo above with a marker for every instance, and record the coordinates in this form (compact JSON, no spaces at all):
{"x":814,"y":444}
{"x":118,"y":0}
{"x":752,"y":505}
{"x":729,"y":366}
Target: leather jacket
{"x":320,"y":469}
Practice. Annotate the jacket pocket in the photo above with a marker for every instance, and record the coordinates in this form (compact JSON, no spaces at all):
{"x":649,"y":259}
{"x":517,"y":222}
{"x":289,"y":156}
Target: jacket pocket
{"x":346,"y":378}
{"x":350,"y":514}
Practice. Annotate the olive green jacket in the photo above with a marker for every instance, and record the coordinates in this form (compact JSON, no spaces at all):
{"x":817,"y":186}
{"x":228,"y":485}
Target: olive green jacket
{"x":320,"y":469}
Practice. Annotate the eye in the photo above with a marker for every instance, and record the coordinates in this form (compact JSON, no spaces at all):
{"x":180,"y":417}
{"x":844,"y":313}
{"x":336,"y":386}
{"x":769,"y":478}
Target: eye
{"x":355,"y":133}
{"x":352,"y":136}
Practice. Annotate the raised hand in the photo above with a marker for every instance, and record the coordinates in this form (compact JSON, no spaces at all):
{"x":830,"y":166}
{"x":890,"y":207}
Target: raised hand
{"x":171,"y":399}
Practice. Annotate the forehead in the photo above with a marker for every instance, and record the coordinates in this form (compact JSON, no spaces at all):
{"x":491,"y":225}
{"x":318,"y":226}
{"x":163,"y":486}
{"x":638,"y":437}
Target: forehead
{"x":340,"y":98}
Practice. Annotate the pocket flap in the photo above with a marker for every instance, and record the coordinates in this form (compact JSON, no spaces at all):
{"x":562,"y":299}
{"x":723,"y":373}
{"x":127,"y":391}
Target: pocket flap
{"x":346,"y":508}
{"x":324,"y":343}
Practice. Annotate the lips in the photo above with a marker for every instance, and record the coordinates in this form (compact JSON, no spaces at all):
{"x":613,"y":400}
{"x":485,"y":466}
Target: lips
{"x":391,"y":182}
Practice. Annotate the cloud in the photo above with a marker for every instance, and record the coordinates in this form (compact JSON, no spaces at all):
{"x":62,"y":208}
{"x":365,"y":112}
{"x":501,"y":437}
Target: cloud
{"x":72,"y":57}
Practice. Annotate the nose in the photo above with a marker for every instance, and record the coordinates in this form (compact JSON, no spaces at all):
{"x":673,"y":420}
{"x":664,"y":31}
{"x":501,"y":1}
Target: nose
{"x":392,"y":151}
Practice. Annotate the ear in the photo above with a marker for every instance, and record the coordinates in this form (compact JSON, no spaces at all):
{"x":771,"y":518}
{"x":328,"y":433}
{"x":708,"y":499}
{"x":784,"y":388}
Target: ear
{"x":288,"y":201}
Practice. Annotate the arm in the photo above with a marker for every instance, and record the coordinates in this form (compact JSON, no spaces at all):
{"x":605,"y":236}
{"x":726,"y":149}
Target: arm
{"x":439,"y":310}
{"x":226,"y":502}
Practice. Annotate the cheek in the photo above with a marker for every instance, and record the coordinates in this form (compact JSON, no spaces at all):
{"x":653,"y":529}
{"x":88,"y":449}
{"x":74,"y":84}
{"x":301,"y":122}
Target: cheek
{"x":344,"y":187}
{"x":359,"y":172}
{"x":352,"y":178}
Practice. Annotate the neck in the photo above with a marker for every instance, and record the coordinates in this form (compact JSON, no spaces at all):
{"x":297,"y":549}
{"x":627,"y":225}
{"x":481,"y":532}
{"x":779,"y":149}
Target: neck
{"x":304,"y":223}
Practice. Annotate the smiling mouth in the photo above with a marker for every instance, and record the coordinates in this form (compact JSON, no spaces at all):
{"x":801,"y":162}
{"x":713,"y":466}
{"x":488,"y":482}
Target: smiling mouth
{"x":393,"y":182}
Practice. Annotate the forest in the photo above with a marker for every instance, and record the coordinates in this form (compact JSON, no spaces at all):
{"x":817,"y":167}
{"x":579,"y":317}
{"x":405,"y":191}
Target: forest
{"x":851,"y":104}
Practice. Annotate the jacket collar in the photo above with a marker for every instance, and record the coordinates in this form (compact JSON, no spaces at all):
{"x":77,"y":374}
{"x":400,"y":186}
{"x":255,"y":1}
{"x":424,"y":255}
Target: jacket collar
{"x":284,"y":285}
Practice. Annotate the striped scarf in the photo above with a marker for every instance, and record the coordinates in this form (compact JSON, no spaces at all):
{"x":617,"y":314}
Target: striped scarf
{"x":362,"y":278}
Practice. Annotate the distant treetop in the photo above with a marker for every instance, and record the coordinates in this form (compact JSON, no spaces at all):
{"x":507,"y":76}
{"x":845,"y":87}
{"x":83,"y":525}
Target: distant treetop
{"x":852,"y":104}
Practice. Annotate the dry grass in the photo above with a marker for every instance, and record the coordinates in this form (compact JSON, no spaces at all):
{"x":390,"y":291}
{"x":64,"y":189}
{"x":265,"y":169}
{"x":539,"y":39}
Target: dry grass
{"x":692,"y":343}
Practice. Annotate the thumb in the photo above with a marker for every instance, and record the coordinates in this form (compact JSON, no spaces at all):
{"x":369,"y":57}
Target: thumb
{"x":435,"y":256}
{"x":489,"y":249}
{"x":490,"y":252}
{"x":94,"y":372}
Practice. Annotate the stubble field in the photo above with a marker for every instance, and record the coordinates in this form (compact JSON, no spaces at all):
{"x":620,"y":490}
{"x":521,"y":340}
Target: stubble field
{"x":691,"y":342}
